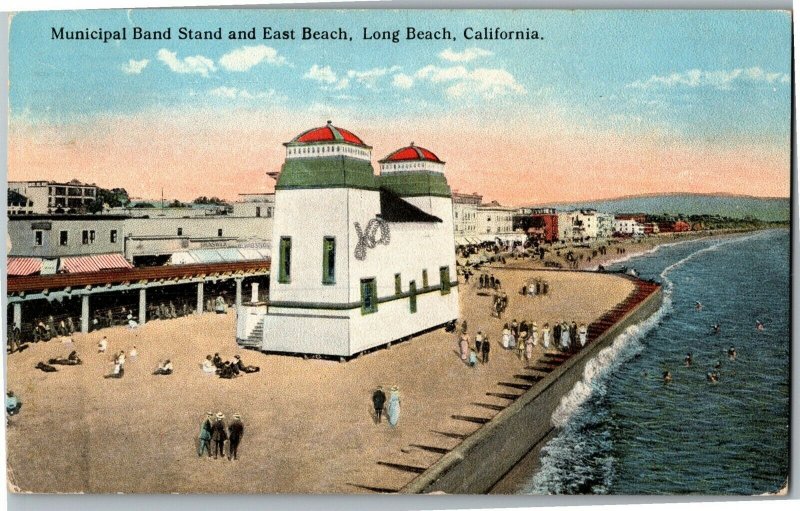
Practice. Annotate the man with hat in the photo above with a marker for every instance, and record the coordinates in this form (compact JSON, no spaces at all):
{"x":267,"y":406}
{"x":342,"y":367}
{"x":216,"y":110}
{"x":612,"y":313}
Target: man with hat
{"x":205,"y":435}
{"x":218,"y":435}
{"x":235,"y":434}
{"x":378,"y":401}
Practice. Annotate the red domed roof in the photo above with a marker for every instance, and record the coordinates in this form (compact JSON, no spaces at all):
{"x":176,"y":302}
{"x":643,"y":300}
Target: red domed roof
{"x":412,"y":153}
{"x":327,"y":133}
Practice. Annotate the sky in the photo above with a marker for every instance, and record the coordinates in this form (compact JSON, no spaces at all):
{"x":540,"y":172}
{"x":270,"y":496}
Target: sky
{"x":605,"y":104}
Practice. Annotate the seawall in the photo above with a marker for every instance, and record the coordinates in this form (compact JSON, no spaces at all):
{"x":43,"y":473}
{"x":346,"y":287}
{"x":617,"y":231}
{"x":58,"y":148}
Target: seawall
{"x":485,"y":460}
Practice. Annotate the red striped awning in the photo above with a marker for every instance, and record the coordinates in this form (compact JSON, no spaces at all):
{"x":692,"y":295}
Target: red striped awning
{"x":84,"y":264}
{"x":24,"y":265}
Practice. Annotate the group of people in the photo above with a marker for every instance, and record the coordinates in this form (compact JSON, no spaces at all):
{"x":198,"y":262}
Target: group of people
{"x":712,"y":376}
{"x":213,"y":430}
{"x":567,"y":337}
{"x":227,"y":369}
{"x":480,"y":352}
{"x":45,"y":331}
{"x":499,"y":304}
{"x":391,"y":405}
{"x":70,"y":360}
{"x":535,"y":287}
{"x":488,"y":281}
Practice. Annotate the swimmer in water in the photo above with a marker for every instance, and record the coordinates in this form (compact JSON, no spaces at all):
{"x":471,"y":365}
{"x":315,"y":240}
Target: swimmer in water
{"x":759,"y":326}
{"x":732,"y":353}
{"x":667,"y":376}
{"x":698,"y":306}
{"x":713,"y":377}
{"x":718,"y":365}
{"x":715,"y":329}
{"x":688,"y":360}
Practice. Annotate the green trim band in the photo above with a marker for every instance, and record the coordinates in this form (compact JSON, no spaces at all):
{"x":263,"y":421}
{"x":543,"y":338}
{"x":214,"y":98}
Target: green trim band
{"x":354,"y":305}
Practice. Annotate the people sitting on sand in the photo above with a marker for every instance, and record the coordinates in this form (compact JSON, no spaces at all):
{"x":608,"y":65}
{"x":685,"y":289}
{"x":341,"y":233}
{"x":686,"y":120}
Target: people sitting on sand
{"x":208,"y":365}
{"x":117,"y":372}
{"x":102,"y":346}
{"x":228,"y":371}
{"x":45,"y":367}
{"x":687,"y":360}
{"x":133,"y":353}
{"x":71,"y":360}
{"x":732,"y":353}
{"x":237,"y":361}
{"x":164,"y":368}
{"x":220,"y":307}
{"x":667,"y":376}
{"x":120,"y":358}
{"x":217,"y":361}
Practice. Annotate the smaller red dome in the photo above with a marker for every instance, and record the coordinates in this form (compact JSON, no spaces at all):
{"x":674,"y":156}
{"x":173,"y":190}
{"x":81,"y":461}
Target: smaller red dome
{"x":412,"y":153}
{"x":328,"y":133}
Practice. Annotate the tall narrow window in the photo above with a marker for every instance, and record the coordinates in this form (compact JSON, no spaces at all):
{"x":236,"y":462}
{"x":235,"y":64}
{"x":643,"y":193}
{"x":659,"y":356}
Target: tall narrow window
{"x":444,"y":278}
{"x":180,"y":231}
{"x":38,"y":238}
{"x":258,"y":211}
{"x":85,"y":237}
{"x":63,"y":238}
{"x":412,"y":297}
{"x":285,"y":268}
{"x":369,"y":296}
{"x":424,"y":278}
{"x":113,"y":235}
{"x":219,"y":232}
{"x":328,"y":260}
{"x":91,"y":236}
{"x":398,"y":285}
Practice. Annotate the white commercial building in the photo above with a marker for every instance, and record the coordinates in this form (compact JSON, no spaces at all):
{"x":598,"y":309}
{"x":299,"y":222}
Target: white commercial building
{"x":628,"y":227}
{"x":465,"y":218}
{"x":359,"y":260}
{"x":47,"y":197}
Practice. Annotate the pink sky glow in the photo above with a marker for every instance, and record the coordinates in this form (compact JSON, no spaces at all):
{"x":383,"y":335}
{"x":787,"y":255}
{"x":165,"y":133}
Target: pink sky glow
{"x":213,"y":153}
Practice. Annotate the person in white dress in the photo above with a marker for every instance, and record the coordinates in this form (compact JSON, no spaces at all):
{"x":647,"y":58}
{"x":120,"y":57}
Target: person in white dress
{"x":582,"y":334}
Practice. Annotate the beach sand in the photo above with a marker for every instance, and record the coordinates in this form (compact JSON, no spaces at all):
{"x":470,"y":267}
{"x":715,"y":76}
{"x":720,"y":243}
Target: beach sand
{"x":308,"y":423}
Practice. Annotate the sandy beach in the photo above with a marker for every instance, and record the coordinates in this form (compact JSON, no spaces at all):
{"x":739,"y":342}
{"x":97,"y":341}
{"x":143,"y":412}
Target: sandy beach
{"x":308,"y":423}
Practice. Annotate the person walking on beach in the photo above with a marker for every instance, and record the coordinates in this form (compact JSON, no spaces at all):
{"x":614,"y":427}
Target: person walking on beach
{"x":235,"y":434}
{"x":556,"y":332}
{"x":473,"y":358}
{"x":378,"y":400}
{"x":102,"y":346}
{"x":205,"y":436}
{"x":573,"y":337}
{"x":463,"y":345}
{"x":529,"y":344}
{"x":464,"y":327}
{"x":218,"y":435}
{"x":583,"y":333}
{"x":479,"y":340}
{"x":393,"y":410}
{"x":485,"y":348}
{"x":515,"y":328}
{"x":564,"y":336}
{"x":521,"y":345}
{"x":508,"y":337}
{"x":546,"y":336}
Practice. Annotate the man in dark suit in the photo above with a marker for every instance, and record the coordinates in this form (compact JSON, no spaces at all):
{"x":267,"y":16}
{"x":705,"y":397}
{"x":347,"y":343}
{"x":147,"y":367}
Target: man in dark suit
{"x":235,"y":434}
{"x":218,"y":435}
{"x":378,"y":400}
{"x":485,"y":347}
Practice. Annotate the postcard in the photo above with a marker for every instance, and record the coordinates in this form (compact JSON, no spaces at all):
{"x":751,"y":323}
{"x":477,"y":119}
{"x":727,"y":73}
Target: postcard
{"x":399,"y":251}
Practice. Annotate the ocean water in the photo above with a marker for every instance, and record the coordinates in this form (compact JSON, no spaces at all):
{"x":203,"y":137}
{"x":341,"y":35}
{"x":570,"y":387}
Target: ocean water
{"x":624,"y":431}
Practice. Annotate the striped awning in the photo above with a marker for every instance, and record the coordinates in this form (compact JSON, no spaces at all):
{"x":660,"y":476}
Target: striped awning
{"x":24,"y":265}
{"x":83,"y":264}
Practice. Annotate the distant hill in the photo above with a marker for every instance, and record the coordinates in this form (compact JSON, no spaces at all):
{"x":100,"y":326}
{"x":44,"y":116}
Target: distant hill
{"x":733,"y":206}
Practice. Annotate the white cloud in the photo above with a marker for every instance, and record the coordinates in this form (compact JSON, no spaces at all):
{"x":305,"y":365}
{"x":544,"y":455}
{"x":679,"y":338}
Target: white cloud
{"x":402,"y":81}
{"x":197,"y":64}
{"x":721,"y":80}
{"x":244,"y":58}
{"x":465,"y":56}
{"x":370,"y":77}
{"x":134,"y":67}
{"x":321,"y":74}
{"x":234,"y":93}
{"x":487,"y":83}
